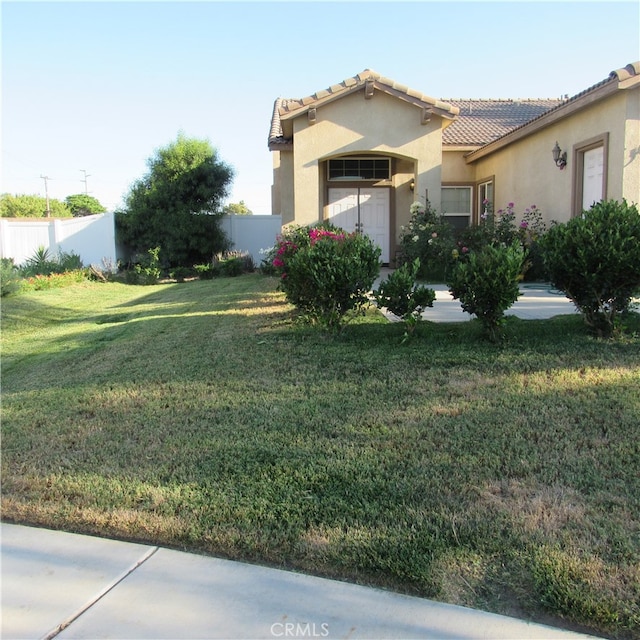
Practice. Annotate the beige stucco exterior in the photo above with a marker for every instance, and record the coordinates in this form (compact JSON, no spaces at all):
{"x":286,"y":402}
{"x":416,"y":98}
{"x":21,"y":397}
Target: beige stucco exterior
{"x":525,"y":173}
{"x":370,"y":116}
{"x":355,"y":126}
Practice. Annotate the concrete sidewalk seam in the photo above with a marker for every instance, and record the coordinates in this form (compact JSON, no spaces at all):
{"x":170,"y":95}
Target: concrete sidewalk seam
{"x":112,"y":585}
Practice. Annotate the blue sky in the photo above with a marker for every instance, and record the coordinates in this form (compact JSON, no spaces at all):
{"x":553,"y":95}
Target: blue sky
{"x":99,"y":86}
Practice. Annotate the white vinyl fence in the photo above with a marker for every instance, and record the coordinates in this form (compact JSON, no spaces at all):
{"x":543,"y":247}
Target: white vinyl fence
{"x":252,"y":234}
{"x":90,"y":237}
{"x":93,"y":237}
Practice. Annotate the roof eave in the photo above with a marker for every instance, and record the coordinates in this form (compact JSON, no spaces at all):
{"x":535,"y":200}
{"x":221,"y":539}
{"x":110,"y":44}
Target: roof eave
{"x":437,"y":107}
{"x":447,"y":114}
{"x":460,"y":147}
{"x":277,"y":145}
{"x":552,"y":116}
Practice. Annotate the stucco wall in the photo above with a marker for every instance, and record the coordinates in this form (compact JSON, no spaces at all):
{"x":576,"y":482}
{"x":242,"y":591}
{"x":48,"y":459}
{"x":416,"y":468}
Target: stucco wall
{"x":631,"y":159}
{"x":525,"y":171}
{"x":455,"y":169}
{"x":352,"y":125}
{"x":285,"y":187}
{"x":276,"y":198}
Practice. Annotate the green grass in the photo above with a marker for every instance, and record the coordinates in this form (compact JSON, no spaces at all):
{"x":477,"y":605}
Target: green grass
{"x":202,"y":416}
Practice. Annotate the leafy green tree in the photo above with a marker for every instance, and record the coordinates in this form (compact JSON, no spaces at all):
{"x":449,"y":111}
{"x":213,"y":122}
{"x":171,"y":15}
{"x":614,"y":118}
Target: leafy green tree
{"x":177,"y":204}
{"x":24,"y":206}
{"x":81,"y":204}
{"x":237,"y":209}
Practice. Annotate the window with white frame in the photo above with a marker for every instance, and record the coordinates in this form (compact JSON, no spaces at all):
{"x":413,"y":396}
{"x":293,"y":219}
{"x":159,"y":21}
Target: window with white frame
{"x":590,"y":172}
{"x":485,"y":197}
{"x":456,"y":205}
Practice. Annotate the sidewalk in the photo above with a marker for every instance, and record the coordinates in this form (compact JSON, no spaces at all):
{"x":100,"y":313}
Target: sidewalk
{"x":64,"y":585}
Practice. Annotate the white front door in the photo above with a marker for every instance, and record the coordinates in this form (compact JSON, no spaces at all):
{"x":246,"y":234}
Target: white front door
{"x":593,"y":161}
{"x":363,"y":209}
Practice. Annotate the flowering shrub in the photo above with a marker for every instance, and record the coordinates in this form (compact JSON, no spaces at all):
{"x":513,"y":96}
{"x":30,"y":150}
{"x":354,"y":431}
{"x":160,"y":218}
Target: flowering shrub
{"x":325,"y":272}
{"x":530,"y":231}
{"x":486,"y":282}
{"x":492,"y":229}
{"x":53,"y":281}
{"x":428,"y":238}
{"x":595,"y":260}
{"x":501,"y":229}
{"x":400,"y":295}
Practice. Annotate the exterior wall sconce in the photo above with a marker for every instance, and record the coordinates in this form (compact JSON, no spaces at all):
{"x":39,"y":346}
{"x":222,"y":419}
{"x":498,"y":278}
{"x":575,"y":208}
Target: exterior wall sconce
{"x":412,"y":185}
{"x":559,"y":156}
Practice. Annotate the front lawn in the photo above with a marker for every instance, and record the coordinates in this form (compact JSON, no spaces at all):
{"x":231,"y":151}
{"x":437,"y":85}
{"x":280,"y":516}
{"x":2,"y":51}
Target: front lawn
{"x":202,"y":416}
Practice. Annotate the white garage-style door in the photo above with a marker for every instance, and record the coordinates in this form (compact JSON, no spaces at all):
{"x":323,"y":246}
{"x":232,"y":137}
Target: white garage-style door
{"x":362,"y":209}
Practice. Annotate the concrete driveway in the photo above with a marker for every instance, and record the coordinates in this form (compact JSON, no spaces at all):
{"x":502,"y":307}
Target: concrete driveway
{"x":536,"y":302}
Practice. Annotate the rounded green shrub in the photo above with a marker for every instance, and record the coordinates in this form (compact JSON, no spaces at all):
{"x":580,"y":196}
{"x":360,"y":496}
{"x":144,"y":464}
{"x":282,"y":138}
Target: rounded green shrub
{"x":486,"y":282}
{"x":326,"y":273}
{"x":595,"y":260}
{"x":400,"y":295}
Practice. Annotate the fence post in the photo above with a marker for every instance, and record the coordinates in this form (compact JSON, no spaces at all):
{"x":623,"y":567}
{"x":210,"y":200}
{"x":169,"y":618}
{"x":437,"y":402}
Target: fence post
{"x":58,"y":236}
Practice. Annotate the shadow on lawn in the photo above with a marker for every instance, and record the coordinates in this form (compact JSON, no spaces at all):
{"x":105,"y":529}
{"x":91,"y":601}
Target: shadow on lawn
{"x":353,"y":453}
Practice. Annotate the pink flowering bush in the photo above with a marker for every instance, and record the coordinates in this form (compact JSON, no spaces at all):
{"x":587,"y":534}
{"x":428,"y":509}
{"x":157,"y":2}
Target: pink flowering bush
{"x":430,"y":238}
{"x":501,"y":228}
{"x":326,"y":273}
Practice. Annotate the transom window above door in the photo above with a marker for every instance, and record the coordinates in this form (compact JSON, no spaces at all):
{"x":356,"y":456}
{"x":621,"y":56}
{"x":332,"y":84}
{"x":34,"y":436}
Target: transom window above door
{"x":359,"y":169}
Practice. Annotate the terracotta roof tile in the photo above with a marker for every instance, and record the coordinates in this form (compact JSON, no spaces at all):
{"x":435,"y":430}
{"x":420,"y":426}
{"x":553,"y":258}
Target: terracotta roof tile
{"x":482,"y":121}
{"x":629,"y":73}
{"x":291,"y":106}
{"x":475,"y":122}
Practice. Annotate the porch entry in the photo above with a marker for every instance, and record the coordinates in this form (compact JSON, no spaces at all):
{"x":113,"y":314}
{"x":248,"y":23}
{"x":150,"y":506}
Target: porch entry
{"x":363,"y":209}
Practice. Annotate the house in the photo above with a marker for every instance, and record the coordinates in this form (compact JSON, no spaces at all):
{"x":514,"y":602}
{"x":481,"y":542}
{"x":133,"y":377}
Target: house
{"x":360,"y":152}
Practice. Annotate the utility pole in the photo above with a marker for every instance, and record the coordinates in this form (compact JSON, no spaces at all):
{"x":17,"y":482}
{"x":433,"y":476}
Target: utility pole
{"x":46,"y":191}
{"x":85,"y":181}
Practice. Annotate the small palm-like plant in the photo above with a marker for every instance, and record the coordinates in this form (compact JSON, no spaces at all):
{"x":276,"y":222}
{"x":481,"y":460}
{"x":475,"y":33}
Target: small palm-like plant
{"x":41,"y":263}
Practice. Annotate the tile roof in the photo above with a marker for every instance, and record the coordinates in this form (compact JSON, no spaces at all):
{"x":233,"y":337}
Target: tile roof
{"x":286,"y":108}
{"x":625,"y":77}
{"x":356,"y":83}
{"x":276,"y":137}
{"x":481,"y":121}
{"x":475,"y":122}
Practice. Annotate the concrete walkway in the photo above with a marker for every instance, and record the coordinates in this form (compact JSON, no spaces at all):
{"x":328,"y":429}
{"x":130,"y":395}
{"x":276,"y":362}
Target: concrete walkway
{"x":61,"y":585}
{"x":536,"y":302}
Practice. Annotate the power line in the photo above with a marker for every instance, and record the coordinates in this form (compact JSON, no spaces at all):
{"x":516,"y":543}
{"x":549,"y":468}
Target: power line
{"x":86,"y":192}
{"x":46,"y":191}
